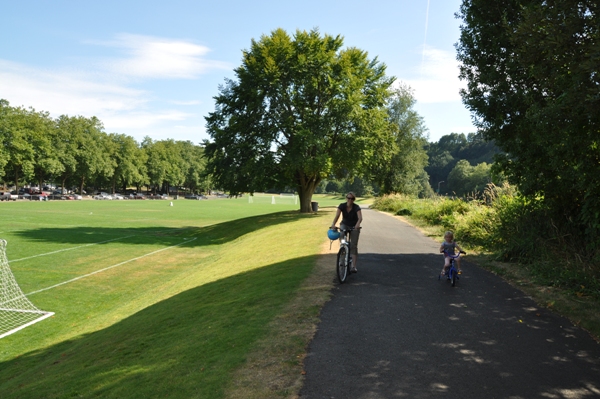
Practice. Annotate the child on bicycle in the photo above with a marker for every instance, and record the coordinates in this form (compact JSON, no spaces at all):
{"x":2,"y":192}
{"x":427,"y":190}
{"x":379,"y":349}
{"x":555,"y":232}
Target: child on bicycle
{"x":449,"y":246}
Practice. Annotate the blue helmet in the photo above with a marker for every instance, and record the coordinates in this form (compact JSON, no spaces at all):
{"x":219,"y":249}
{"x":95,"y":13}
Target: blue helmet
{"x":333,"y":234}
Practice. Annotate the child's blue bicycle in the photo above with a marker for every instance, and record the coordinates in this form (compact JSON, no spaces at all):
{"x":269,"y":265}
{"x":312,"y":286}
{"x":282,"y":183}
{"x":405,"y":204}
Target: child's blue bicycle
{"x":452,"y":273}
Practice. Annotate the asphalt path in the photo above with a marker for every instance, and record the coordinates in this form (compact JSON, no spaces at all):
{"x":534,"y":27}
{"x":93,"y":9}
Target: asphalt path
{"x":393,"y":330}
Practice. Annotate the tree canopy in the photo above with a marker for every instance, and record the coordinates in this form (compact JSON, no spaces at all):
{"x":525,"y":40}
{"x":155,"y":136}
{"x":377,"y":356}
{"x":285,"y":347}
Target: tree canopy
{"x":531,"y":69}
{"x":76,"y":151}
{"x":448,"y":151}
{"x":302,"y":108}
{"x":404,"y":171}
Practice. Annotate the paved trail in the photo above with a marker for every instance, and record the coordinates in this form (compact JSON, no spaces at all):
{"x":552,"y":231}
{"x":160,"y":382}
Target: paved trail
{"x":395,"y":331}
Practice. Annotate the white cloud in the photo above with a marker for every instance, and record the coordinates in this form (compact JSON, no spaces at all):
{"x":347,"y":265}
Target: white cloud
{"x":103,"y":88}
{"x":65,"y":92}
{"x":153,"y":57}
{"x":438,"y":77}
{"x":191,"y":102}
{"x":142,"y":120}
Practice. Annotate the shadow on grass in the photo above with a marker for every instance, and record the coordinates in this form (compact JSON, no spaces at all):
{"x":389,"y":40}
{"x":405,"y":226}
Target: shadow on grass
{"x":183,"y":347}
{"x":216,"y":234}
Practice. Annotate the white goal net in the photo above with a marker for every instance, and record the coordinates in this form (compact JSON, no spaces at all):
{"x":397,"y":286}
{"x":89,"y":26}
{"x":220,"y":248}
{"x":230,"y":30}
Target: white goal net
{"x":273,"y":199}
{"x":16,"y":310}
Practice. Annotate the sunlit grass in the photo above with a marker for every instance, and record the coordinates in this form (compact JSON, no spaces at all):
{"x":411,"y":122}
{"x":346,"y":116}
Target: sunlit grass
{"x":173,"y":324}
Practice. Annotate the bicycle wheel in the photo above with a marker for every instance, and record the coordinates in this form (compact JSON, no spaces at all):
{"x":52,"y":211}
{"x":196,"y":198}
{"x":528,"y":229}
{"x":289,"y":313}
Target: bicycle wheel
{"x":342,"y":267}
{"x":453,"y":276}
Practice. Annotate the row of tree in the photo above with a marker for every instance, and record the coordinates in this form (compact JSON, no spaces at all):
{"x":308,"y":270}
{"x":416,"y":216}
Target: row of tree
{"x":76,"y":152}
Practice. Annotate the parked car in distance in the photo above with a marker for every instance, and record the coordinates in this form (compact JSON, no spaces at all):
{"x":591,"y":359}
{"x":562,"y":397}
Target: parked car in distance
{"x":7,"y":196}
{"x":195,"y":197}
{"x":137,"y":196}
{"x":118,"y":197}
{"x":103,"y":196}
{"x":77,"y":197}
{"x":29,"y":190}
{"x":158,"y":197}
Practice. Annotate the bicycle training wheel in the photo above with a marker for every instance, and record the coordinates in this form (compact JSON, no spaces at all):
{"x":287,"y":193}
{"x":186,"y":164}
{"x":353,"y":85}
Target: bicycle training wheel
{"x":342,"y":268}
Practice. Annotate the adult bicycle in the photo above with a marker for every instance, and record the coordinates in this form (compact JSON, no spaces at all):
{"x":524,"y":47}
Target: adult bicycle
{"x":344,"y":256}
{"x":452,"y":273}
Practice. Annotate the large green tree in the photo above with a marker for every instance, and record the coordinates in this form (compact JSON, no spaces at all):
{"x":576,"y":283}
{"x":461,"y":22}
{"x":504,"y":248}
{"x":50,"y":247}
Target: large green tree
{"x":195,"y":162}
{"x":18,"y":134}
{"x":130,"y":161}
{"x":86,"y":147}
{"x":165,"y":165}
{"x":302,"y":108}
{"x":5,"y":111}
{"x":466,"y":179}
{"x":404,"y":172}
{"x":532,"y":74}
{"x":45,"y":137}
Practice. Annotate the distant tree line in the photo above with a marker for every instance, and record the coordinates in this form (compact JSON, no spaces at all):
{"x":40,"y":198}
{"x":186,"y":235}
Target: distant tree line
{"x":75,"y":151}
{"x":461,"y":164}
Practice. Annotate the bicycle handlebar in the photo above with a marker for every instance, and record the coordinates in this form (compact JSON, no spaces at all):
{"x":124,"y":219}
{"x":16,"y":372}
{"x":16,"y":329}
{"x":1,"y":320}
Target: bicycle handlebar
{"x":454,"y":256}
{"x":346,"y":229}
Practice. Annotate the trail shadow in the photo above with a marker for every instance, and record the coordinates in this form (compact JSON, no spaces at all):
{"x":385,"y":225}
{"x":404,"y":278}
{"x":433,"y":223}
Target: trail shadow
{"x":395,"y":330}
{"x":181,"y":347}
{"x":215,"y":234}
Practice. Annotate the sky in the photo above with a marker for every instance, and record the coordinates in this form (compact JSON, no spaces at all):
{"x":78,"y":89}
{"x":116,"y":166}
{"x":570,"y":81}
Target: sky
{"x":151,"y":68}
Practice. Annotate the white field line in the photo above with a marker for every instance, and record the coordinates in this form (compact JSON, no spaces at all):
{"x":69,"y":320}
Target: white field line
{"x":23,"y":311}
{"x":110,"y":267}
{"x":68,"y":249}
{"x":45,"y":316}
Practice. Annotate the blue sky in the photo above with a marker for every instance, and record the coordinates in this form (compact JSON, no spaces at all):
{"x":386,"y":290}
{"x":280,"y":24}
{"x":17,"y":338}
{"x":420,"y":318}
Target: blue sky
{"x":152,"y":68}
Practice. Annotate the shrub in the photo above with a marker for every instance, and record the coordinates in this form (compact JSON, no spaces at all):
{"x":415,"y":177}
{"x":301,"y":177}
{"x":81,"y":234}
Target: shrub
{"x":516,"y":229}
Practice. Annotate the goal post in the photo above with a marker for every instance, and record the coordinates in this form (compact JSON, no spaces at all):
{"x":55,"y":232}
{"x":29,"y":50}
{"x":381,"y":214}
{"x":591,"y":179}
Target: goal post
{"x":16,"y":310}
{"x":273,"y":199}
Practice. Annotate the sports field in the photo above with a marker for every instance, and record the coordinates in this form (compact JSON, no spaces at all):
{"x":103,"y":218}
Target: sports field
{"x":150,"y":300}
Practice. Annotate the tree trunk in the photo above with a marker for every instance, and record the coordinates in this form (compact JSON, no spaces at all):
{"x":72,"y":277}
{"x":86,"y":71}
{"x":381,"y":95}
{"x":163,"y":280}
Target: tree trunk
{"x":17,"y":180}
{"x":81,"y":186}
{"x":306,"y":189}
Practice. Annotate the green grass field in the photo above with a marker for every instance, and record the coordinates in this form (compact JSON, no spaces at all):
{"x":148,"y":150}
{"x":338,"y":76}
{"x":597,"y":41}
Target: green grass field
{"x":182,"y":294}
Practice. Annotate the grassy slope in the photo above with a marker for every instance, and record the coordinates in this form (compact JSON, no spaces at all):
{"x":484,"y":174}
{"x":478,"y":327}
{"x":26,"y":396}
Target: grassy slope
{"x":174,"y":324}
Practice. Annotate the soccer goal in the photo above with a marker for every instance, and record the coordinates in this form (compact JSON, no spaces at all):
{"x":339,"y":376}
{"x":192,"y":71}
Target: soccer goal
{"x":16,"y":310}
{"x":273,"y":199}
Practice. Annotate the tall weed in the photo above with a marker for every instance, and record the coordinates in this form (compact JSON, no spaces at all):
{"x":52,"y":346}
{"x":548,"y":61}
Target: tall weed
{"x":515,"y":229}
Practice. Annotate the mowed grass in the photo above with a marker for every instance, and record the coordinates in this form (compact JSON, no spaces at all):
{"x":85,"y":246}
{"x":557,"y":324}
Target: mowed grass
{"x":192,"y":287}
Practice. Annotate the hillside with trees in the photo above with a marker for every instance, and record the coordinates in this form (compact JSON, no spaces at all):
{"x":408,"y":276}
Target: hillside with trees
{"x":460,"y":164}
